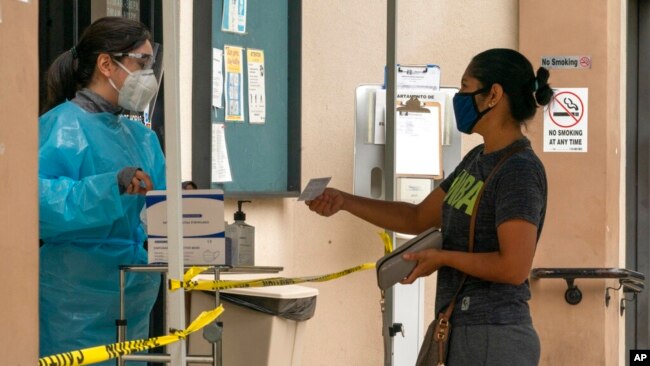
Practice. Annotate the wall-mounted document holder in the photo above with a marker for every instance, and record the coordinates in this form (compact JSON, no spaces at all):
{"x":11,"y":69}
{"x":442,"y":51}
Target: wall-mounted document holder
{"x":369,"y":150}
{"x":417,"y":76}
{"x":418,"y":143}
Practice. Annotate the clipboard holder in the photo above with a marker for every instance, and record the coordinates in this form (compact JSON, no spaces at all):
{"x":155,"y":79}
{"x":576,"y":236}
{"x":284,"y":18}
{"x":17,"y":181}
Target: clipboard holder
{"x":414,"y":105}
{"x":369,"y":159}
{"x":422,"y":76}
{"x":409,"y":69}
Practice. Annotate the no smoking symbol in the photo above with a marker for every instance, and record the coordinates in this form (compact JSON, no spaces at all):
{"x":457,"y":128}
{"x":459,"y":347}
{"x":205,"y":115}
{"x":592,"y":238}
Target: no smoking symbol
{"x":567,"y":109}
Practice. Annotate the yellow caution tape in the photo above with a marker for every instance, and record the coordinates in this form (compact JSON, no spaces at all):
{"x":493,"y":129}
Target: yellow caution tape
{"x":207,"y":285}
{"x":88,"y":356}
{"x":388,"y":243}
{"x":193,"y":272}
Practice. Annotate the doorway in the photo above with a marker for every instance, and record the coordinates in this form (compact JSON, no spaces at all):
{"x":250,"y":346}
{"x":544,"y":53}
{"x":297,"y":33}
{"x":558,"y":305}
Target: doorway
{"x":637,"y":321}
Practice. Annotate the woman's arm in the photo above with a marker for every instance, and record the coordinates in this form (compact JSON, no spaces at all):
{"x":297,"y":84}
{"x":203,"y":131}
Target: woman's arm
{"x":511,"y":264}
{"x":396,"y":216}
{"x":67,"y":205}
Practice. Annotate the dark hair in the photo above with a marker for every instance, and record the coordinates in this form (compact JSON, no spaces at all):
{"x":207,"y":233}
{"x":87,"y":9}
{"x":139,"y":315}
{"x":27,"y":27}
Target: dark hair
{"x":514,"y":73}
{"x":73,"y":69}
{"x":189,"y":183}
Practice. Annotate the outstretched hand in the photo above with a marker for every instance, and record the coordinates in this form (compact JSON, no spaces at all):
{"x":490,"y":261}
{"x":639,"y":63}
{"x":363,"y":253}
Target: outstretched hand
{"x":428,"y":261}
{"x":328,"y":203}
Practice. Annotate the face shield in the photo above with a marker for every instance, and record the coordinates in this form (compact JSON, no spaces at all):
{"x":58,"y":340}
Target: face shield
{"x":151,"y":65}
{"x":157,"y":67}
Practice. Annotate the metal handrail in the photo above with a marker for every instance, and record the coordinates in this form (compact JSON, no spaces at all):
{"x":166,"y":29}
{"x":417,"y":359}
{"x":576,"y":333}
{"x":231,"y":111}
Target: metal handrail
{"x":620,"y":273}
{"x":629,"y":281}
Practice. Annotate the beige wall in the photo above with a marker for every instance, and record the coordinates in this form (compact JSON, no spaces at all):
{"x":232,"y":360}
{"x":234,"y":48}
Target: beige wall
{"x":583,"y":219}
{"x":344,"y":45}
{"x":18,"y":184}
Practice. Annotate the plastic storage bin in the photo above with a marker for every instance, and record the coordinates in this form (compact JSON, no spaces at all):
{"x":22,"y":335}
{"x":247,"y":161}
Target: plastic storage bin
{"x":265,"y":327}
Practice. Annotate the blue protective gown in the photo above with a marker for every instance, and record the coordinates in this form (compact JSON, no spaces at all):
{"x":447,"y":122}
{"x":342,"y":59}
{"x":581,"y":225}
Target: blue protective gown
{"x":89,"y":229}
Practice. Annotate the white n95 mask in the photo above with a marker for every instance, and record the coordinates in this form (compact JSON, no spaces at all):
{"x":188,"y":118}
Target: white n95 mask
{"x":138,"y":89}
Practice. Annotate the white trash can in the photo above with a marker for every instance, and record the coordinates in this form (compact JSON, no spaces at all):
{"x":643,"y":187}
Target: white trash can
{"x":272,"y":335}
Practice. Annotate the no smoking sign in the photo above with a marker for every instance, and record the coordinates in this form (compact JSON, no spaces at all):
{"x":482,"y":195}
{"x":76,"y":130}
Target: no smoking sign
{"x":565,"y":121}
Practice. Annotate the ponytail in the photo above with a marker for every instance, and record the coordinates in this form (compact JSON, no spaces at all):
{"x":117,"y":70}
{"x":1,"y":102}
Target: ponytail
{"x":61,"y":82}
{"x":543,"y":92}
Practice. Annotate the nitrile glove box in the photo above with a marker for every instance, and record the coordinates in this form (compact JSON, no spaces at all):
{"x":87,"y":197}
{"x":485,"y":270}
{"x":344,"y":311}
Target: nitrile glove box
{"x":203,"y":227}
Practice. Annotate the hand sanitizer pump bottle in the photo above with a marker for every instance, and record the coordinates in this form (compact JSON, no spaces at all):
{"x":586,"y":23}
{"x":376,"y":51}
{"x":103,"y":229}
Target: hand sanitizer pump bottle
{"x":243,"y":239}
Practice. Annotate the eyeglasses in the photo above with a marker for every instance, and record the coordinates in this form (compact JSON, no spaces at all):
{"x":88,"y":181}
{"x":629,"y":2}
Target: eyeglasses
{"x":147,"y":58}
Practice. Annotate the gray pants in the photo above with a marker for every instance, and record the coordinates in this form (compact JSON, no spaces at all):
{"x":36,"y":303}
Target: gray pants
{"x":493,"y":345}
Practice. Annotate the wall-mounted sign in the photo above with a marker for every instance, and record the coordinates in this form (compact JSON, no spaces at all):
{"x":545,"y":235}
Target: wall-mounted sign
{"x":565,"y":121}
{"x":566,"y":62}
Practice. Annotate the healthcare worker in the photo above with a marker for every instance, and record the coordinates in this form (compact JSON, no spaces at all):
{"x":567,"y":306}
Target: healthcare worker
{"x":94,"y":168}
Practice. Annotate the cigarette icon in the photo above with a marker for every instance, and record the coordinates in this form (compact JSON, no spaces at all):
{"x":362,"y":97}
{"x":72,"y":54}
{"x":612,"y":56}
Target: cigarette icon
{"x":565,"y":114}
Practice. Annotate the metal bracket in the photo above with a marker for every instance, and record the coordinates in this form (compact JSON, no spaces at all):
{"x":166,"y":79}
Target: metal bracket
{"x":572,"y":295}
{"x":629,"y":281}
{"x":608,"y":296}
{"x":396,"y":328}
{"x":624,"y":300}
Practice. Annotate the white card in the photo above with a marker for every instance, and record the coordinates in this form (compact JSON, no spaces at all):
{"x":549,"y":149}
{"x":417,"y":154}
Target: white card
{"x":314,"y":188}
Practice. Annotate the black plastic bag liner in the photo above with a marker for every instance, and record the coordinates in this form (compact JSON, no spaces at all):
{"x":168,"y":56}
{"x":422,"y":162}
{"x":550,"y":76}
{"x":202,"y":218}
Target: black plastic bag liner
{"x":293,"y":309}
{"x":292,"y":302}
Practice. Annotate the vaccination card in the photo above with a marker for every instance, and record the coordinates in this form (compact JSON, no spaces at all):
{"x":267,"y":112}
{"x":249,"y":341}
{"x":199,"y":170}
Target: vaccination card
{"x":314,"y":188}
